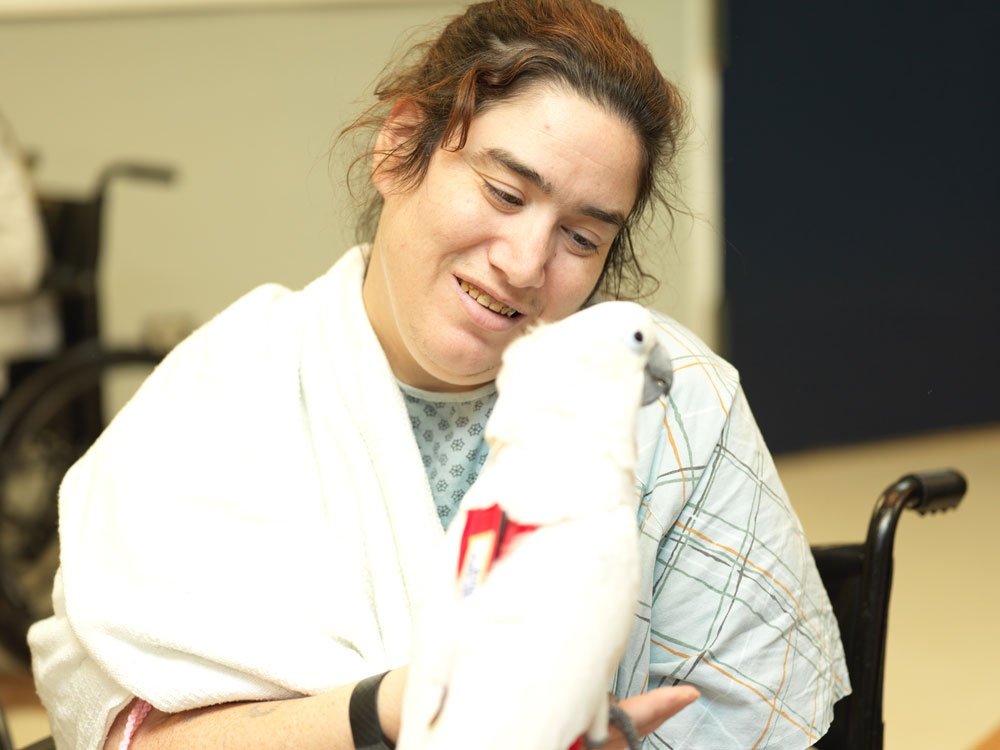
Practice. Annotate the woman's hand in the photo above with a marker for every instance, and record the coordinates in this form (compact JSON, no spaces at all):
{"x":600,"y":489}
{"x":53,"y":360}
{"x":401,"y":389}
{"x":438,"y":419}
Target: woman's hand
{"x":649,"y":710}
{"x":320,"y":721}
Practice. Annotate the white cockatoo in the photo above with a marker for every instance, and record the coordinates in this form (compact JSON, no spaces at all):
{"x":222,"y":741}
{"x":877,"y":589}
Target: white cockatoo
{"x":521,"y":631}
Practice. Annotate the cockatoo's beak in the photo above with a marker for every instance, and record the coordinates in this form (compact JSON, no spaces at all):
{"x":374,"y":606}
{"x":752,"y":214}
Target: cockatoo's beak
{"x":659,"y":375}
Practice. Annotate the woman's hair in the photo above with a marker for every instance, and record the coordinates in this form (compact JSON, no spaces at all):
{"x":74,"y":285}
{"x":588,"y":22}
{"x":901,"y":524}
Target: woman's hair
{"x":494,"y":51}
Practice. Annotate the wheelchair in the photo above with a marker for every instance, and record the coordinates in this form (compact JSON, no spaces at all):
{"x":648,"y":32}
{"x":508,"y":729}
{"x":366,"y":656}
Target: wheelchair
{"x":56,"y":408}
{"x":858,"y":579}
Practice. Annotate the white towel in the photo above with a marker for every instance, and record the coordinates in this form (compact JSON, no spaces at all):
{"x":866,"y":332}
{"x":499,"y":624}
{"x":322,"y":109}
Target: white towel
{"x":274,"y":440}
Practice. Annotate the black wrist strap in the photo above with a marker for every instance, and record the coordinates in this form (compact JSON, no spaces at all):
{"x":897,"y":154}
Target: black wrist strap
{"x":363,"y":713}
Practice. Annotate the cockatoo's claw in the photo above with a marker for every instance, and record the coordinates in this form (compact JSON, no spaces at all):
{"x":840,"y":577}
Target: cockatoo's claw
{"x":620,"y":719}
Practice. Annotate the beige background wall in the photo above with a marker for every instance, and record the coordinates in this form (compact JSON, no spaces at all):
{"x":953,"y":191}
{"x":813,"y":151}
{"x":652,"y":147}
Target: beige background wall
{"x":244,"y":103}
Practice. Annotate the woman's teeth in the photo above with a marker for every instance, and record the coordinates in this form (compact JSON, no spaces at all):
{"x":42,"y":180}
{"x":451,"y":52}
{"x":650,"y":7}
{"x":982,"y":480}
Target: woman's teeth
{"x":486,"y":301}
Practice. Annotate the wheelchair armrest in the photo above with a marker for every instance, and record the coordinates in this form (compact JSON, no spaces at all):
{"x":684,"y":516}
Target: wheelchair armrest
{"x":59,"y":280}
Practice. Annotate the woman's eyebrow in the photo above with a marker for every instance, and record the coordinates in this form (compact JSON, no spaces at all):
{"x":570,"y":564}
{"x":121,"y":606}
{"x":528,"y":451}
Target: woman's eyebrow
{"x":511,"y":162}
{"x":614,"y":218}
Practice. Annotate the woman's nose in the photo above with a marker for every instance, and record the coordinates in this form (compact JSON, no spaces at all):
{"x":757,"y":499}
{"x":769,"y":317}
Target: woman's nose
{"x":522,"y":257}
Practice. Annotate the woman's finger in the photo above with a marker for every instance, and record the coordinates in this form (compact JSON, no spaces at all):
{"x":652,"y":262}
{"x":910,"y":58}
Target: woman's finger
{"x":649,"y":710}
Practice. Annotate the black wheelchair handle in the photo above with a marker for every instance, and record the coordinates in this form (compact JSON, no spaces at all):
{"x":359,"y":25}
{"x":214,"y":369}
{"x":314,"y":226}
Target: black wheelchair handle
{"x":931,"y":491}
{"x":151,"y":172}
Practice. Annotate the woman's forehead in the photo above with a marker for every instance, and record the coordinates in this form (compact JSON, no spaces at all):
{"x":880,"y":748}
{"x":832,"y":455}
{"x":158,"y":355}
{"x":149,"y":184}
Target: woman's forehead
{"x":562,"y":143}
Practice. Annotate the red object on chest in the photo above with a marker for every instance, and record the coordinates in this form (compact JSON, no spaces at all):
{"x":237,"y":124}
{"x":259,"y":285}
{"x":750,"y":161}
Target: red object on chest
{"x":487,"y":535}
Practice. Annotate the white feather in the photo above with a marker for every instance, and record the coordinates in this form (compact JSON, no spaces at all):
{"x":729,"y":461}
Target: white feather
{"x":525,"y":661}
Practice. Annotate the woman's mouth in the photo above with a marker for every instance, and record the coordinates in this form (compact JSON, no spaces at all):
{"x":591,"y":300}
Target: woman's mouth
{"x":488,"y":302}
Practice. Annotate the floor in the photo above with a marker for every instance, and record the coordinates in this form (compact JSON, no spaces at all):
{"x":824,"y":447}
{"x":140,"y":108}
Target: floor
{"x":25,"y":718}
{"x":940,"y":689}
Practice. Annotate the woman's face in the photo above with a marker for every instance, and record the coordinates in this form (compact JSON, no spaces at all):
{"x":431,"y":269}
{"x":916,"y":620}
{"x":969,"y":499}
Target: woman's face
{"x":525,"y":213}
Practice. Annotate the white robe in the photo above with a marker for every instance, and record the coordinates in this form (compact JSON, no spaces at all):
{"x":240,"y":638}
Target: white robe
{"x":257,"y":523}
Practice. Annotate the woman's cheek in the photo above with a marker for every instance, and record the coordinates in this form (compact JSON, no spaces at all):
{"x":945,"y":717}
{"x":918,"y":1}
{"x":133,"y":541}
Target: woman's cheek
{"x":569,"y":280}
{"x":466,"y":220}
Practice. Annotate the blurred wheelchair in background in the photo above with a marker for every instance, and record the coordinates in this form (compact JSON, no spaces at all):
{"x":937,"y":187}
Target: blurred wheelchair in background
{"x":56,"y":407}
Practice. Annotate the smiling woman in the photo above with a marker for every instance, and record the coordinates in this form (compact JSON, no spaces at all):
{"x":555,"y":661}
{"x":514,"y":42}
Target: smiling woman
{"x":310,"y":447}
{"x":483,"y":58}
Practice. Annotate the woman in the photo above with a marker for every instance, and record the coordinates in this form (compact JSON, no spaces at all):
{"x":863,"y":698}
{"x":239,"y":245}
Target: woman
{"x":243,"y":548}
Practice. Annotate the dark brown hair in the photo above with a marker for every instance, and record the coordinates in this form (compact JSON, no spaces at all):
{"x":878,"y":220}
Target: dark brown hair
{"x":496,"y":49}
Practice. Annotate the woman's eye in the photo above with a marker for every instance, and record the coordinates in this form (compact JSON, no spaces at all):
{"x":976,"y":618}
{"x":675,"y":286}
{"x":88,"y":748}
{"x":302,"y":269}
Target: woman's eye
{"x":502,"y":195}
{"x":580,"y":241}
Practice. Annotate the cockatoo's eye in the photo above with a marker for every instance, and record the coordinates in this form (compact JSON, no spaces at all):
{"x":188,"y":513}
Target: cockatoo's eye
{"x":636,"y":341}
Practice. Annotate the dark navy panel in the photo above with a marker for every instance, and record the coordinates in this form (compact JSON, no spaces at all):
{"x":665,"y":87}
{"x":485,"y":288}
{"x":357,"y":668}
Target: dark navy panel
{"x":861,"y":215}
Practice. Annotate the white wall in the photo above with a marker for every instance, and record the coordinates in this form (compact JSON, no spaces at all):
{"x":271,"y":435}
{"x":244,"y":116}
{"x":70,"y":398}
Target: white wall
{"x":245,"y":104}
{"x":681,"y":34}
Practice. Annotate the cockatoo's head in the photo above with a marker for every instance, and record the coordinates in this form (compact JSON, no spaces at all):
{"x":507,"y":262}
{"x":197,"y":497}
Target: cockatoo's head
{"x":597,"y":365}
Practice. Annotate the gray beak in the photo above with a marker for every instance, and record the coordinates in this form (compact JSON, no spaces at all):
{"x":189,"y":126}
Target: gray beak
{"x":659,"y":375}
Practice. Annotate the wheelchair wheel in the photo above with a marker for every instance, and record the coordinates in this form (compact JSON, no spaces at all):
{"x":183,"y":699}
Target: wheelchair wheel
{"x":46,"y":424}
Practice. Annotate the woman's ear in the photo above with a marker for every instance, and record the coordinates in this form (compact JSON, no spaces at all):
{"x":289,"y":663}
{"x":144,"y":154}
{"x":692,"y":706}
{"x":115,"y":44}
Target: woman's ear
{"x":398,"y":128}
